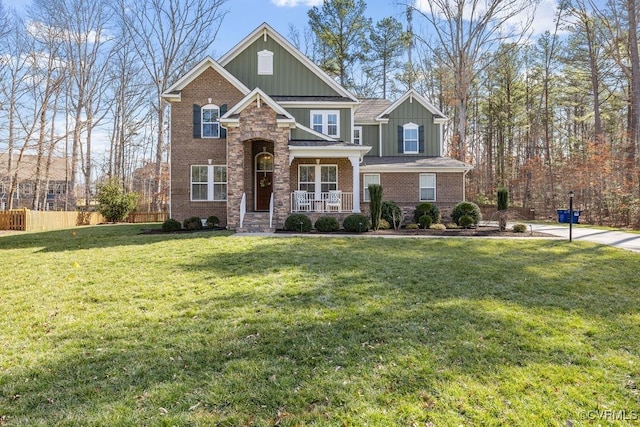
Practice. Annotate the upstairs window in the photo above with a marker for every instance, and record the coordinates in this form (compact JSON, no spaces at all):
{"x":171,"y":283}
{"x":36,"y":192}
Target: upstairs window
{"x":210,"y":124}
{"x":326,"y":122}
{"x":357,"y":135}
{"x":265,"y":63}
{"x":411,"y":138}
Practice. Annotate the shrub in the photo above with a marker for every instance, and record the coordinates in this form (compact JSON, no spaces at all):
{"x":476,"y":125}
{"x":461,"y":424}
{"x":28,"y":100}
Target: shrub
{"x":327,"y":224}
{"x":375,"y":206}
{"x":171,"y":225}
{"x":113,"y":202}
{"x":192,"y":223}
{"x":452,"y":226}
{"x":425,"y":221}
{"x":212,"y":221}
{"x":466,"y":221}
{"x":438,"y":227}
{"x":356,"y":223}
{"x":392,"y":213}
{"x":466,"y":209}
{"x":427,"y":208}
{"x":384,"y":225}
{"x":298,"y":222}
{"x":519,"y":228}
{"x":503,"y":199}
{"x":412,"y":226}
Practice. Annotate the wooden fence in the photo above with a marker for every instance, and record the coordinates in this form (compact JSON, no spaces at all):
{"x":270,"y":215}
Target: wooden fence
{"x":27,"y":220}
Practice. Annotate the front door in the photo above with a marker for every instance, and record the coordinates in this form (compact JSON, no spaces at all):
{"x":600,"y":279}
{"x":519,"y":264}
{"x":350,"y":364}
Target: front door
{"x":264,"y":180}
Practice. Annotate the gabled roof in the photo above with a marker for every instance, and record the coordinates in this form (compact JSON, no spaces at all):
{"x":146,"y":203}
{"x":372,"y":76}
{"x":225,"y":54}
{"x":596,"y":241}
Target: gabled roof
{"x":232,"y":117}
{"x":438,"y":116}
{"x":369,"y":109}
{"x":173,"y":93}
{"x":265,"y":30}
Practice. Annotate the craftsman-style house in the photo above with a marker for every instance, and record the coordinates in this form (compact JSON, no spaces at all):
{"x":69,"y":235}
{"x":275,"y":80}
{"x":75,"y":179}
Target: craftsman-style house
{"x":264,"y":132}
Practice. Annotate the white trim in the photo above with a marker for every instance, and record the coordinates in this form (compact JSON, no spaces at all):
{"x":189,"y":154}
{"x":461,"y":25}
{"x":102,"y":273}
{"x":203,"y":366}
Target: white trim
{"x":265,"y":63}
{"x":318,"y":104}
{"x":210,"y":183}
{"x":325,"y":121}
{"x":412,"y":169}
{"x":262,"y":98}
{"x":411,"y":93}
{"x":318,"y":177}
{"x":202,"y":122}
{"x":332,"y":151}
{"x":365,"y":187}
{"x":353,"y":137}
{"x":405,"y":128}
{"x":265,"y":30}
{"x":420,"y":187}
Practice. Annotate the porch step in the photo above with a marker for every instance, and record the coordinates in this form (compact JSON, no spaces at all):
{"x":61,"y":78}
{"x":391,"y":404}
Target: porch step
{"x":256,"y":222}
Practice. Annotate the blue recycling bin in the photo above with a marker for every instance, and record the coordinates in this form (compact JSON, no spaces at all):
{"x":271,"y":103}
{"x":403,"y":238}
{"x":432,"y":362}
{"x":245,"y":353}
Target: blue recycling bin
{"x":563,"y":216}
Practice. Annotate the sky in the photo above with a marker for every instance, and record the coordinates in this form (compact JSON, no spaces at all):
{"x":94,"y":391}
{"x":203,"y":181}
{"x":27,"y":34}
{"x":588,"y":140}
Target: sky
{"x":246,"y":15}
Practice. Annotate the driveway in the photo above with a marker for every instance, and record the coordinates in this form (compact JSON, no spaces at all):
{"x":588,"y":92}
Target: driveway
{"x":618,"y":239}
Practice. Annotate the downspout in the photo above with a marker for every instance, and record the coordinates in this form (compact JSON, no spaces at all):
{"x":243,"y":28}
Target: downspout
{"x":169,"y":161}
{"x":464,"y":185}
{"x":379,"y":139}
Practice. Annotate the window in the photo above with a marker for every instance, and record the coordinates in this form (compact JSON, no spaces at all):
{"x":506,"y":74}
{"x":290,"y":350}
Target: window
{"x":210,"y":124}
{"x":367,"y":180}
{"x":265,"y":63}
{"x":323,"y":178}
{"x":208,"y":183}
{"x":427,"y":187}
{"x":411,"y":138}
{"x":357,"y":135}
{"x":326,"y":122}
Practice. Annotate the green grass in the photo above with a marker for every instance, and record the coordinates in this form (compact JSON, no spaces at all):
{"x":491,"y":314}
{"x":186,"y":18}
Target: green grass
{"x":109,"y":327}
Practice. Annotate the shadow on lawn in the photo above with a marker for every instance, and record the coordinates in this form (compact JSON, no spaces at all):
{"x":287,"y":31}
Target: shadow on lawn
{"x":349,"y":331}
{"x":97,"y":236}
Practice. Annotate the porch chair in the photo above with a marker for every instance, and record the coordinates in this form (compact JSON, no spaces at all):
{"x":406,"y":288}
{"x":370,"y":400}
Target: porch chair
{"x":334,"y":200}
{"x":302,"y":203}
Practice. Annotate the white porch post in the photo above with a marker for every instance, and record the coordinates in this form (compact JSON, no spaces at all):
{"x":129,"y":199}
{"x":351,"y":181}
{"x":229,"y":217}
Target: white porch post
{"x":355,"y":163}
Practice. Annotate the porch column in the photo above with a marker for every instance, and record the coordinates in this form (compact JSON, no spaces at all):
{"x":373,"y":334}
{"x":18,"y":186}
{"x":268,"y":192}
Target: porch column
{"x":355,"y":163}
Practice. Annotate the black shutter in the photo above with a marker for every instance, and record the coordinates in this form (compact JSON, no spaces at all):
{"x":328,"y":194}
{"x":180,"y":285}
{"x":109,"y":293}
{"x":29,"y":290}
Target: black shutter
{"x":197,"y":121}
{"x":400,"y":140}
{"x":421,"y":139}
{"x":223,"y":111}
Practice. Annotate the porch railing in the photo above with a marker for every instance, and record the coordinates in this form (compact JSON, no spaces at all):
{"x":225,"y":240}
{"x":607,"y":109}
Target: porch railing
{"x":243,"y":208}
{"x":303,"y":201}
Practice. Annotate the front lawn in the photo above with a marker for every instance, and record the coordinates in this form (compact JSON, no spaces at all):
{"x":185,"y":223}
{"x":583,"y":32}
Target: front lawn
{"x":103,"y":326}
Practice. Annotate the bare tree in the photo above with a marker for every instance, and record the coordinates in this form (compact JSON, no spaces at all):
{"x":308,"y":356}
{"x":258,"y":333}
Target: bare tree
{"x":169,"y":36}
{"x":467,"y":32}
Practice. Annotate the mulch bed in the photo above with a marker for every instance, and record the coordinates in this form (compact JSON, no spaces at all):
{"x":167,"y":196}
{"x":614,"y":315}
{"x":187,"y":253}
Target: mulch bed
{"x":480,"y":231}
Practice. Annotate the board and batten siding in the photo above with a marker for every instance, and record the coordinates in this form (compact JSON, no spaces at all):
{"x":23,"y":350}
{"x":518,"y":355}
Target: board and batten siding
{"x":411,"y":112}
{"x":371,"y":138}
{"x":290,"y":76}
{"x":303,"y":116}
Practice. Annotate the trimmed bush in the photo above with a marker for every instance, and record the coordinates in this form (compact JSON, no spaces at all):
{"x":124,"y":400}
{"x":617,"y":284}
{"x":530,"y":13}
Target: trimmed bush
{"x":192,"y":223}
{"x":298,"y":222}
{"x":392,"y":213}
{"x":356,"y":223}
{"x":503,"y":199}
{"x":212,"y":221}
{"x":466,"y":221}
{"x":519,"y":228}
{"x":375,"y":206}
{"x":466,"y":209}
{"x":384,"y":225}
{"x":327,"y":224}
{"x":425,"y":221}
{"x":452,"y":226}
{"x":171,"y":225}
{"x":427,"y":208}
{"x":438,"y":227}
{"x":412,"y":226}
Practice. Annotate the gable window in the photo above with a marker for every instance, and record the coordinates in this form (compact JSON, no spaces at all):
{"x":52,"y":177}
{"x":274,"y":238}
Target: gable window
{"x":411,"y":138}
{"x":326,"y":122}
{"x":208,"y":183}
{"x":210,"y":124}
{"x":367,"y":180}
{"x":427,"y":187}
{"x":265,"y":63}
{"x":357,"y":135}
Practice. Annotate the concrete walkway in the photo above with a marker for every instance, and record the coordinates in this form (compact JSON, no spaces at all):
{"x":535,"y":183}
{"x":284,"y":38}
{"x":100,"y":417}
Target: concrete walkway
{"x":618,"y":239}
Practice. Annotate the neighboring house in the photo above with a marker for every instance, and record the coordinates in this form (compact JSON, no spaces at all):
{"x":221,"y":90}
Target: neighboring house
{"x":53,"y":187}
{"x":264,"y":132}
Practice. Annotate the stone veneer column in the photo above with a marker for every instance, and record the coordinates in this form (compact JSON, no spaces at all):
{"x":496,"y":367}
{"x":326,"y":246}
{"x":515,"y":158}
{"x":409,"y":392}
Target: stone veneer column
{"x":235,"y":176}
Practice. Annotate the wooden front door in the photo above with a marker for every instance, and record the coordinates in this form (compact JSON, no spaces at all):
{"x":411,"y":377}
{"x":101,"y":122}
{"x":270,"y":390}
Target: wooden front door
{"x":264,"y":180}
